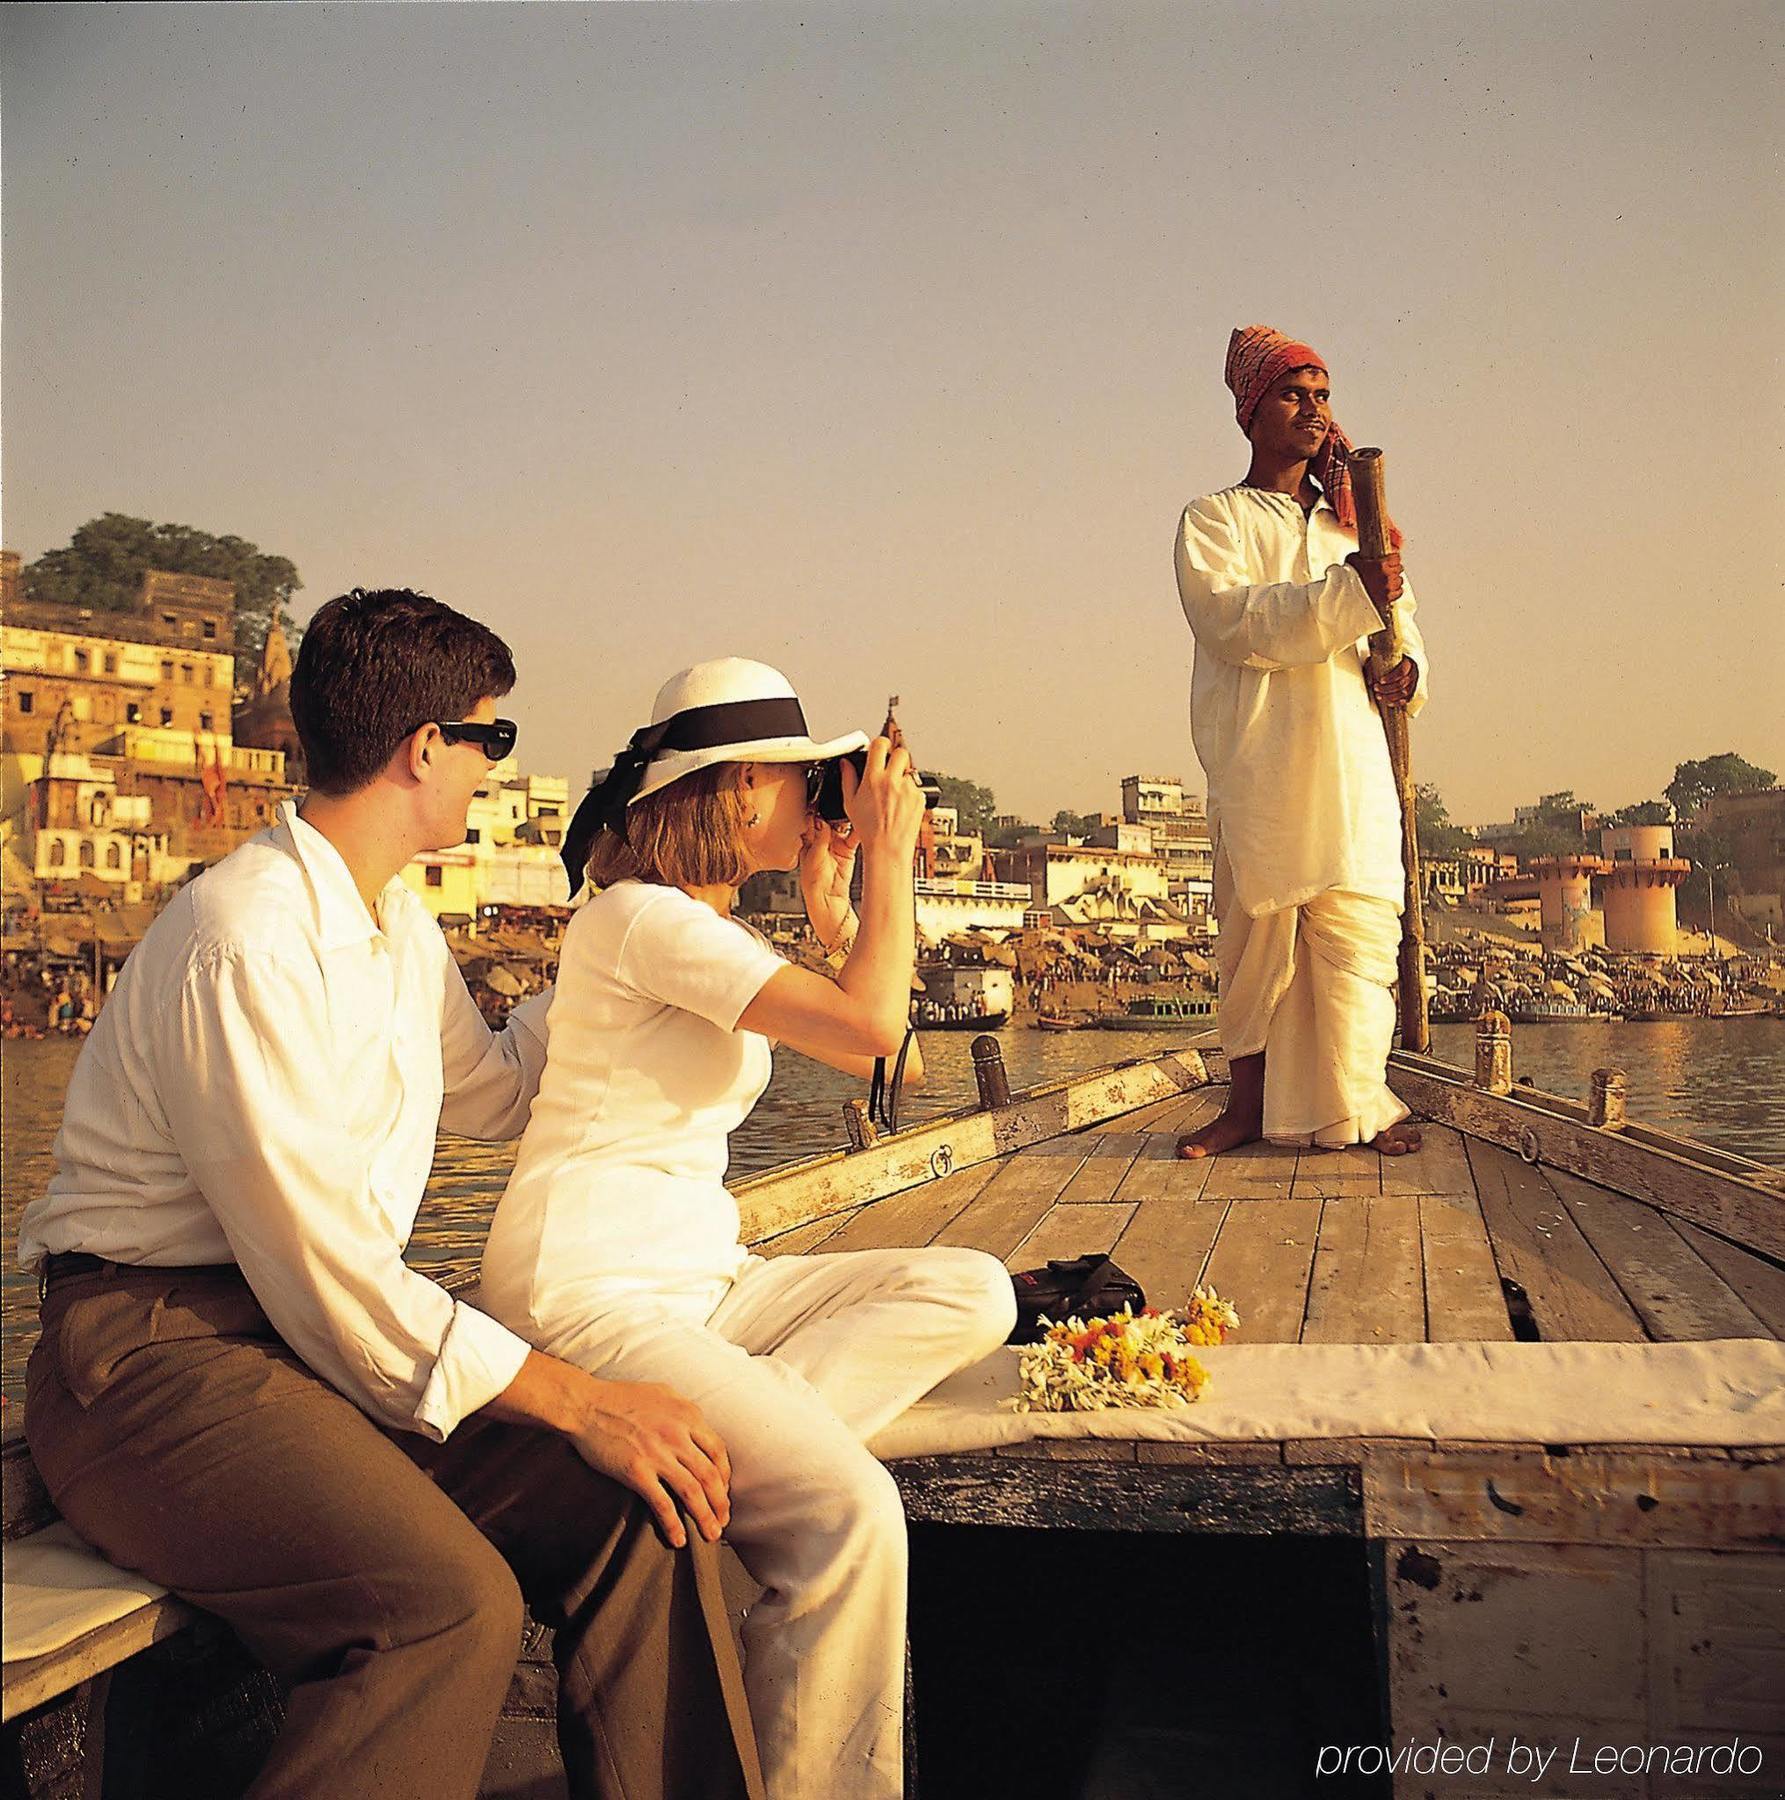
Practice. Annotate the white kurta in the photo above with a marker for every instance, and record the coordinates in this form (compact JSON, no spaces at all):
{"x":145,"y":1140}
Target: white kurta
{"x":1301,"y":795}
{"x":1307,"y":826}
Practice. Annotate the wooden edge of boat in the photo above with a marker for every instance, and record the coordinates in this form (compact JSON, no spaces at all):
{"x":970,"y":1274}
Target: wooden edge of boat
{"x":1731,"y":1195}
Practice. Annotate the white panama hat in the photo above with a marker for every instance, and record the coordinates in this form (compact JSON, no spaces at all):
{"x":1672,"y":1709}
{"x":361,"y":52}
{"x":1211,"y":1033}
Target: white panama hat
{"x":748,"y":711}
{"x":727,"y":710}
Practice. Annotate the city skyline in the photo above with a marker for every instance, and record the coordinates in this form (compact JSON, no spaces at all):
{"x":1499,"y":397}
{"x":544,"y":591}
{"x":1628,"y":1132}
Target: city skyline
{"x":887,"y":347}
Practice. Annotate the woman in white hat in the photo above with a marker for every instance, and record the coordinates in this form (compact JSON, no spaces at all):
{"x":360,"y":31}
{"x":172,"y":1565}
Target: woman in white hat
{"x":616,"y":1245}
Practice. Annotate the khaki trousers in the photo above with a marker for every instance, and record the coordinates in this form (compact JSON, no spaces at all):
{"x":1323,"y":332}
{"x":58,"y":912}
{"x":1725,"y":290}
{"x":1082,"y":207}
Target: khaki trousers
{"x":1312,"y":986}
{"x":380,"y":1576}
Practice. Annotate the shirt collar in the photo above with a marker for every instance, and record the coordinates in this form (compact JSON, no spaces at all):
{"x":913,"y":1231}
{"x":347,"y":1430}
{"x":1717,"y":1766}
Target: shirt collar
{"x":341,"y":915}
{"x":1321,"y":504}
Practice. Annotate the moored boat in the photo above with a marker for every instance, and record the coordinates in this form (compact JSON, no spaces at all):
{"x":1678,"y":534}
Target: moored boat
{"x":1196,"y":1012}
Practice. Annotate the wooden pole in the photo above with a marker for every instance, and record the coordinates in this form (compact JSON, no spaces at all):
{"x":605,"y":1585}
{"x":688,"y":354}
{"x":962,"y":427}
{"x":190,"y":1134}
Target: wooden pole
{"x":1385,"y":654}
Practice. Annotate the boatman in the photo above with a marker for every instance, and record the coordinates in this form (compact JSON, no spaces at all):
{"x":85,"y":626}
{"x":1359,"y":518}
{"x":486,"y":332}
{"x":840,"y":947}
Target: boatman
{"x":1302,"y":802}
{"x":242,"y":1391}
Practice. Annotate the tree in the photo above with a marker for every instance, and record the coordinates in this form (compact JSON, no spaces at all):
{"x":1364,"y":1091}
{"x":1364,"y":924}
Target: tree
{"x":1643,"y":812}
{"x":1695,"y":783}
{"x":1555,"y":830}
{"x":974,"y":806}
{"x":103,"y":564}
{"x":1437,"y":835}
{"x":1076,"y":824}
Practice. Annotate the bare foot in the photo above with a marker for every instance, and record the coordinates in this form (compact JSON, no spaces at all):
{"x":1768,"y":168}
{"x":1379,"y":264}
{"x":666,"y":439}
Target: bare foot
{"x":1397,"y":1140}
{"x":1233,"y":1128}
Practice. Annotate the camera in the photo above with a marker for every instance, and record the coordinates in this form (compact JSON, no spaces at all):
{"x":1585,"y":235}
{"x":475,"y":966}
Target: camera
{"x":829,"y":805}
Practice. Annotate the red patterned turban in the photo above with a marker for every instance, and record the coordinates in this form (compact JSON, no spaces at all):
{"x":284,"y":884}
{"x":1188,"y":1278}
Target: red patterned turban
{"x":1257,"y":358}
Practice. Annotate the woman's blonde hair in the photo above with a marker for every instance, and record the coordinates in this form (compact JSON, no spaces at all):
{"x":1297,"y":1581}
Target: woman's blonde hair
{"x":688,"y":834}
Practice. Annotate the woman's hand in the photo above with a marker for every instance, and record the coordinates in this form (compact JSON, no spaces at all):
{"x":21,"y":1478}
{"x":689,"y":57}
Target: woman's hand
{"x":827,"y":863}
{"x":886,"y":805}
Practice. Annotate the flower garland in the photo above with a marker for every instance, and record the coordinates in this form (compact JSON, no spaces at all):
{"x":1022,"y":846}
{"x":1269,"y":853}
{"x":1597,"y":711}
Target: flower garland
{"x":1126,"y":1359}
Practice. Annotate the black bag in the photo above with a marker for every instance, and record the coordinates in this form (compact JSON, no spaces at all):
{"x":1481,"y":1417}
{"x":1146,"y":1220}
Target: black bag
{"x":1084,"y":1287}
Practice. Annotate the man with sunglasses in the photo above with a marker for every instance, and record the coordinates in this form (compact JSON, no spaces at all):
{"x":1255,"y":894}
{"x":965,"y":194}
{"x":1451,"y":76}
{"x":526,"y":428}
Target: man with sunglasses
{"x":243,"y":1392}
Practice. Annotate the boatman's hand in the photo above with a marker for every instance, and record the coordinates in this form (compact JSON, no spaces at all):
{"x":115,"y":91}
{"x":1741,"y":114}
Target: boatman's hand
{"x":650,"y":1439}
{"x":1381,"y":576}
{"x":1395,"y":686}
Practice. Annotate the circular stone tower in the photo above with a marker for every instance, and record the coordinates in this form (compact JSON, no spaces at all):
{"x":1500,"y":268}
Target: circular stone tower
{"x":1640,"y":889}
{"x":1565,"y":898}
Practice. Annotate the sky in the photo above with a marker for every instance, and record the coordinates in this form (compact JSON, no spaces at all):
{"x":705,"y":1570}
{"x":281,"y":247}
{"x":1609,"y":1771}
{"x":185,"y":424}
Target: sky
{"x":884,"y":344}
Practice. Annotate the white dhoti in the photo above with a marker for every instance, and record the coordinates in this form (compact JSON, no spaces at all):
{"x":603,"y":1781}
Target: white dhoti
{"x":1312,"y":987}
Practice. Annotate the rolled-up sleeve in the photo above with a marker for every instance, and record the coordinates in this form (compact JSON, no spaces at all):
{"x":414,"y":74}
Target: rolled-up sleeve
{"x":1276,"y":625}
{"x":257,"y":1117}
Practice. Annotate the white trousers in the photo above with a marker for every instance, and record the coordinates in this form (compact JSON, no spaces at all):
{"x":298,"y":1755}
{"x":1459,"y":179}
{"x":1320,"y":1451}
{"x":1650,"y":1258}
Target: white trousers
{"x":805,"y":1358}
{"x":1312,"y":986}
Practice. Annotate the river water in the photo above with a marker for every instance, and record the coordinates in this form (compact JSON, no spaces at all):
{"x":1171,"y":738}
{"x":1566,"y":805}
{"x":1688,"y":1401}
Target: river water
{"x":1721,"y":1082}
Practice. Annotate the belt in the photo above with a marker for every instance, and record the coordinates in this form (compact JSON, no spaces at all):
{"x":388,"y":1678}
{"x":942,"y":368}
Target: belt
{"x":73,"y":1262}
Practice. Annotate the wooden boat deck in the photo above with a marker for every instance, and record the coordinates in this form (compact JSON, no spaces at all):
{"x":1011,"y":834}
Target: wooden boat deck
{"x":1460,"y":1240}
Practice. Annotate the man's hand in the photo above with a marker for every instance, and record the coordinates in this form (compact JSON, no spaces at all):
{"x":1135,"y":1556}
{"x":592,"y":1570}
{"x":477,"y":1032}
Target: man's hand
{"x":1394,"y":687}
{"x":653,"y":1441}
{"x":645,"y":1437}
{"x":1381,"y":576}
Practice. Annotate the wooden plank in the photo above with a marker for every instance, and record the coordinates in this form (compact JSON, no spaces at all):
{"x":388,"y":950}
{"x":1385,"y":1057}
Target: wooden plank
{"x":914,"y":1217}
{"x":1571,"y":1295}
{"x":1258,"y":1172}
{"x":1320,"y":1174}
{"x":1351,"y":1451}
{"x":1759,"y":1282}
{"x":1717,"y":1647}
{"x":1080,"y":1450}
{"x":1464,"y":1300}
{"x":1007,"y":1208}
{"x":1145,"y":1118}
{"x":1676,"y":1293}
{"x":1249,"y":1498}
{"x":1063,"y":1231}
{"x":1223,"y":1450}
{"x":1100,"y":1174}
{"x":1260,"y":1262}
{"x":1159,"y":1171}
{"x":1367,"y":1285}
{"x":1166,"y":1243}
{"x":1728,"y":1194}
{"x":1621,"y":1498}
{"x":1439,"y":1166}
{"x":34,"y":1680}
{"x":1187,"y":1114}
{"x":802,"y":1240}
{"x":1485,"y":1646}
{"x":776,"y":1202}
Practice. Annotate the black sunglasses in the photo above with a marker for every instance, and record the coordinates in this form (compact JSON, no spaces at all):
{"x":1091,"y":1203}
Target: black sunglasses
{"x":495,"y":739}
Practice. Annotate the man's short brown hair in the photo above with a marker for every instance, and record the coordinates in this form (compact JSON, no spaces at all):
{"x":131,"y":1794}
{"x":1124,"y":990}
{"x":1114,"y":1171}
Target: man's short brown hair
{"x":374,"y":665}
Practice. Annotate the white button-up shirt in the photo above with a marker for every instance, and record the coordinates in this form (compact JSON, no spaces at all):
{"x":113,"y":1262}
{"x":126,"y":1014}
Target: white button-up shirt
{"x":263,"y":1087}
{"x":1301,"y":795}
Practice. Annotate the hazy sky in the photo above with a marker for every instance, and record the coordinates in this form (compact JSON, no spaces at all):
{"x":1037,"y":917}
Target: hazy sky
{"x":885,"y":344}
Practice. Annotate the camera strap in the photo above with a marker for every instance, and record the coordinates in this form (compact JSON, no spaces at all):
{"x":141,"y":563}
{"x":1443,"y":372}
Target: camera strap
{"x":883,"y":1095}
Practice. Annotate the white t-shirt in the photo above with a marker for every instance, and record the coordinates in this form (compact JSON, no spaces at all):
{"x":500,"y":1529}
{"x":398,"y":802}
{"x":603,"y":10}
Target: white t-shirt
{"x":619,"y":1188}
